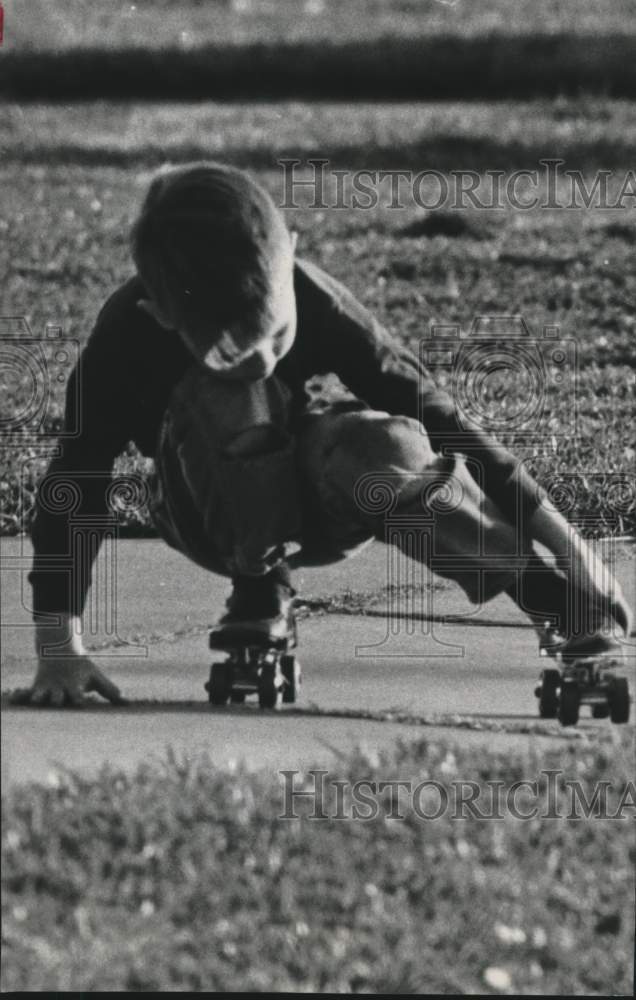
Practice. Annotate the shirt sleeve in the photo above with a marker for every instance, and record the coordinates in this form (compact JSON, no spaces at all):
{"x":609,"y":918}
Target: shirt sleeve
{"x":390,"y":377}
{"x":72,"y":509}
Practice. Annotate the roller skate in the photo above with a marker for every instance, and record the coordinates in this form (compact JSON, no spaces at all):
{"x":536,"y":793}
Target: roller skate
{"x":585,"y":673}
{"x":258,"y":631}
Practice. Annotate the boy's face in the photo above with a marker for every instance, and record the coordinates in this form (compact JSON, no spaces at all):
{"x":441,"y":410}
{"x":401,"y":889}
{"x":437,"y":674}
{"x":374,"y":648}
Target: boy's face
{"x":237,"y":354}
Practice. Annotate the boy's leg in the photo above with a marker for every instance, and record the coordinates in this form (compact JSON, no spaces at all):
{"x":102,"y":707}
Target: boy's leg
{"x":360,"y":467}
{"x":588,"y":619}
{"x":363,"y":468}
{"x":226,"y":494}
{"x":224,"y":491}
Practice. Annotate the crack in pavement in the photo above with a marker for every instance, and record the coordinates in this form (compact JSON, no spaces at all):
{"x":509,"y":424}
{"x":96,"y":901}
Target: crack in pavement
{"x":396,"y":716}
{"x":310,"y":609}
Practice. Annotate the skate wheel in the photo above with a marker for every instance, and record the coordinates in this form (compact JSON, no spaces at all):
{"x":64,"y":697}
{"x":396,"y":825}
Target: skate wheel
{"x":548,"y":694}
{"x":600,"y":711}
{"x":219,"y":687}
{"x":618,"y":698}
{"x":569,"y":704}
{"x":290,"y":669}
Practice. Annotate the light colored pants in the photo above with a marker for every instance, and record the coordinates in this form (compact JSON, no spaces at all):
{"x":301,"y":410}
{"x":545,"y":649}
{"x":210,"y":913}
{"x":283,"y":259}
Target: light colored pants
{"x":316,"y":487}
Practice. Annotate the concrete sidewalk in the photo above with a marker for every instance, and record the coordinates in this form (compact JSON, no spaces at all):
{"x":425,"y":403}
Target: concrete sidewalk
{"x":368,"y":678}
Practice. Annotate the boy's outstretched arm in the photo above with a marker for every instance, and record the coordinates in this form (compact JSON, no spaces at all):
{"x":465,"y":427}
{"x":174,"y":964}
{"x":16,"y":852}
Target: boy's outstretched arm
{"x":389,"y":376}
{"x":72,"y":516}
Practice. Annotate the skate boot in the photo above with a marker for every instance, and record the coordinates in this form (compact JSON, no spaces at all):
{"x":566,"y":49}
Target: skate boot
{"x":258,"y":630}
{"x":260,"y":609}
{"x":586,"y":671}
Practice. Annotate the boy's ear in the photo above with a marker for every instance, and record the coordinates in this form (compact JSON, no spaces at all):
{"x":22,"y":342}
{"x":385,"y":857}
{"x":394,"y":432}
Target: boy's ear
{"x":148,"y":306}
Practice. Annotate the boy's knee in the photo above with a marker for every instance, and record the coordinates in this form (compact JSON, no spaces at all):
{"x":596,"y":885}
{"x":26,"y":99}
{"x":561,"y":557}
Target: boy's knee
{"x":384,"y":442}
{"x":377,"y":444}
{"x":256,"y":440}
{"x":216,"y":413}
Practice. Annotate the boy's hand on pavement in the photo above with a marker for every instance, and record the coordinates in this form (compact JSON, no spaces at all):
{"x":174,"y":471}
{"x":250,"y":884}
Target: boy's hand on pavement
{"x":65,"y":673}
{"x":64,"y":681}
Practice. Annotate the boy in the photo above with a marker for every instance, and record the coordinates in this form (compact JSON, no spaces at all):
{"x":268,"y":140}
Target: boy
{"x":201,"y":359}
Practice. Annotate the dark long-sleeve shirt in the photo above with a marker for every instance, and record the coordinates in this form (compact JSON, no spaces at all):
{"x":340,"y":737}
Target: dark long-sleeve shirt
{"x":125,"y":376}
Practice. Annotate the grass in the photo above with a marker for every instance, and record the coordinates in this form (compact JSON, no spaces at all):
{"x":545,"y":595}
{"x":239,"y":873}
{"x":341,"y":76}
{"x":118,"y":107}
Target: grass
{"x":37,"y":25}
{"x":416,"y":68}
{"x":181,"y":876}
{"x":373,"y":49}
{"x":588,"y":133}
{"x":65,"y":249}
